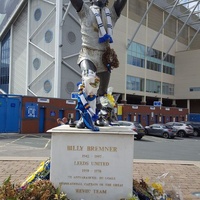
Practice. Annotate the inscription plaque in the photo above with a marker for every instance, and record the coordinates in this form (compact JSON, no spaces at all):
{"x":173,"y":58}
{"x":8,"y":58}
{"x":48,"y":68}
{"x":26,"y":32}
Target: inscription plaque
{"x":92,"y":165}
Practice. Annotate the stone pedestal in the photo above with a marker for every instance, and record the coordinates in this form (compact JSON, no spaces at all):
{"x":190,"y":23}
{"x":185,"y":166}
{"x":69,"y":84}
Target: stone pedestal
{"x":92,"y":165}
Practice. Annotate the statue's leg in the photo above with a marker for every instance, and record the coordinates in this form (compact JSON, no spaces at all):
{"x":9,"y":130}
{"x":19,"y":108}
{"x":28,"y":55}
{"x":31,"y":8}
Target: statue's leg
{"x":102,"y":92}
{"x":87,"y":64}
{"x":105,"y":101}
{"x":87,"y":95}
{"x":104,"y":81}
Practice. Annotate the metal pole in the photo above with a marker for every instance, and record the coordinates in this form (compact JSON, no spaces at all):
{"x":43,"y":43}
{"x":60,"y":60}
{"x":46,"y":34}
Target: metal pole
{"x":28,"y":48}
{"x":127,"y":20}
{"x":193,"y":38}
{"x":58,"y":49}
{"x":164,"y":24}
{"x":180,"y":30}
{"x":140,"y":24}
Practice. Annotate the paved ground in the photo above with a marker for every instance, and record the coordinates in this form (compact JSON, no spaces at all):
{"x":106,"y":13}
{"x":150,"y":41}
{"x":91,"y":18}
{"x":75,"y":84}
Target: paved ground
{"x":183,"y":176}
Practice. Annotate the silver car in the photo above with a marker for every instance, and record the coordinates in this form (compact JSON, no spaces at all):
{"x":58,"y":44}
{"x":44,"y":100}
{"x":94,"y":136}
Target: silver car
{"x":183,"y":129}
{"x":135,"y":126}
{"x":160,"y":130}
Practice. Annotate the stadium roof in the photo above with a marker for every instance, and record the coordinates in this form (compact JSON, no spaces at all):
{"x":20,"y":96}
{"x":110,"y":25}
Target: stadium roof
{"x":190,"y":15}
{"x":187,"y":11}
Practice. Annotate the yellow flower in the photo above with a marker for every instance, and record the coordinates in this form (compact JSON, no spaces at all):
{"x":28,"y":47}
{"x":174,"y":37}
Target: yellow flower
{"x":111,"y":99}
{"x":158,"y":187}
{"x":147,"y":180}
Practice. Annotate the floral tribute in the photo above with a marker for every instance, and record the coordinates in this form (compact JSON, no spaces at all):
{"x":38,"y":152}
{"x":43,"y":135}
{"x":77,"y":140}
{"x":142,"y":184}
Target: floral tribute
{"x":146,"y":190}
{"x":38,"y":187}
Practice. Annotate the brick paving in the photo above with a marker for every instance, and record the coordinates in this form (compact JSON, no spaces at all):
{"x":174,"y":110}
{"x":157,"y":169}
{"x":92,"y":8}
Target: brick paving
{"x":18,"y":169}
{"x":184,"y":177}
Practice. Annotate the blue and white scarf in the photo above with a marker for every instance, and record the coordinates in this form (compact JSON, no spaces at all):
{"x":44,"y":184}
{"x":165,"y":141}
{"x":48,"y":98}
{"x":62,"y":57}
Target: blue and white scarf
{"x":104,"y":35}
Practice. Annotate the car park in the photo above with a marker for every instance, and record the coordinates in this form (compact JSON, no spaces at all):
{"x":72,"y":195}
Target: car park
{"x":160,"y":130}
{"x":183,"y":130}
{"x":135,"y":126}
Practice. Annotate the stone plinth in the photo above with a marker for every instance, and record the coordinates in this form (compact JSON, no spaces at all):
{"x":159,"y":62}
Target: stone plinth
{"x":92,"y":165}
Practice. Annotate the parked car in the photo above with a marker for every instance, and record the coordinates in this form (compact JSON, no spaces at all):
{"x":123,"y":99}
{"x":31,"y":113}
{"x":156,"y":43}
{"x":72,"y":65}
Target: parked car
{"x":183,"y":129}
{"x":196,"y":127}
{"x":135,"y":126}
{"x":161,"y":130}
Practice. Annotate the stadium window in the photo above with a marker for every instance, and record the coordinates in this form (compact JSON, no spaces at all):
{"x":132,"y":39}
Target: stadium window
{"x":135,"y":83}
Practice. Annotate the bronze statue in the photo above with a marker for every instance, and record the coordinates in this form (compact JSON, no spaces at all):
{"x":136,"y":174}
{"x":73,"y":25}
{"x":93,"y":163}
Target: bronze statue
{"x":96,"y":58}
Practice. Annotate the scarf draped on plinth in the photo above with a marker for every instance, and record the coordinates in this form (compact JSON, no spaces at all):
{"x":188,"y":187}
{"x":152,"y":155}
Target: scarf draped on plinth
{"x":104,"y":35}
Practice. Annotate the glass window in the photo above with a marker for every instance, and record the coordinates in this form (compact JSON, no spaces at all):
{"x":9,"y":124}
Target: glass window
{"x":47,"y":86}
{"x":5,"y":63}
{"x":154,"y":53}
{"x":153,"y":86}
{"x":37,"y":14}
{"x":36,"y":63}
{"x":137,"y":54}
{"x":194,"y":89}
{"x":135,"y":83}
{"x":48,"y":36}
{"x":7,"y":7}
{"x":132,"y":60}
{"x":168,"y":89}
{"x":153,"y":66}
{"x":168,"y":70}
{"x":169,"y":58}
{"x":141,"y":49}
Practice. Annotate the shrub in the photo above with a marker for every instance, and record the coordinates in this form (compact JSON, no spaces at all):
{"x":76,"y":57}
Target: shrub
{"x":38,"y":190}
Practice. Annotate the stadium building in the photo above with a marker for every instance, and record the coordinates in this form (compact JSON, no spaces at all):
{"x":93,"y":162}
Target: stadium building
{"x":157,"y":42}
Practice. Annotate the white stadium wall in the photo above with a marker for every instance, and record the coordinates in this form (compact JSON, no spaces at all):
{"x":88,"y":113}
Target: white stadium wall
{"x":187,"y":74}
{"x":19,"y":55}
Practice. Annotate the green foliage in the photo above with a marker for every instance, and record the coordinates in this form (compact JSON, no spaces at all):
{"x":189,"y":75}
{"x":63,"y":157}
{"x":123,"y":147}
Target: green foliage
{"x":133,"y":198}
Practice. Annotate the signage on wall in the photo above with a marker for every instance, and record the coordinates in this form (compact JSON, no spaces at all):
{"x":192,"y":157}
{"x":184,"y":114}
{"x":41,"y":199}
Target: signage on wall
{"x":31,"y":110}
{"x":43,"y":100}
{"x":74,"y":95}
{"x":157,"y":103}
{"x":52,"y":113}
{"x":134,"y":107}
{"x":70,"y":102}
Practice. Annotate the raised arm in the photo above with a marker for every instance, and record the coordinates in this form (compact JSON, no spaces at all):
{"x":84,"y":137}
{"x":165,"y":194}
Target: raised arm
{"x":119,"y":5}
{"x":77,"y":4}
